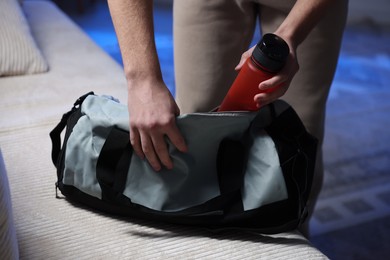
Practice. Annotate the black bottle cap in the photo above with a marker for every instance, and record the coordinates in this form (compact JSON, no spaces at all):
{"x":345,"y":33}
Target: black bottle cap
{"x":271,"y":52}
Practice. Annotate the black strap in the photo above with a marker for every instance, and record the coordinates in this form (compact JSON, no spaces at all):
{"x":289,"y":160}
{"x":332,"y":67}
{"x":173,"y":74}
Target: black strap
{"x":231,"y":161}
{"x":279,"y":117}
{"x":288,"y":128}
{"x":113,"y":164}
{"x":233,"y":155}
{"x":55,"y":134}
{"x":281,"y":122}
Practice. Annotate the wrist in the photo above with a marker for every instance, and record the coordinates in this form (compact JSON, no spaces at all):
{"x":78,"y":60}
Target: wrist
{"x":138,"y":78}
{"x":288,"y":36}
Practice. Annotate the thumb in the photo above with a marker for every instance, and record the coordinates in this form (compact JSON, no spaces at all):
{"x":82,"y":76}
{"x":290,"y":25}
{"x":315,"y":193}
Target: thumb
{"x":241,"y":63}
{"x":244,"y":57}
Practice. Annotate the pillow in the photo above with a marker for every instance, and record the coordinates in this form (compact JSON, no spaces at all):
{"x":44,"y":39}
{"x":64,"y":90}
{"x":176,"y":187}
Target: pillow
{"x":19,"y":53}
{"x":8,"y":241}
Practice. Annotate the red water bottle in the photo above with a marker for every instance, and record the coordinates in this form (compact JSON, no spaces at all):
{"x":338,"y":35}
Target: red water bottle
{"x":268,"y":57}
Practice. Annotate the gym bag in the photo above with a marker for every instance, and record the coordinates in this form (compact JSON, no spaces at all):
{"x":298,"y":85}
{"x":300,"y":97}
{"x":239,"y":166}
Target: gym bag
{"x":247,"y":170}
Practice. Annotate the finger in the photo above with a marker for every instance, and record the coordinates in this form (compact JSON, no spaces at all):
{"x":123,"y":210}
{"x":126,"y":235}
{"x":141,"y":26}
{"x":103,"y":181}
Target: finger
{"x":272,"y":82}
{"x":263,"y":99}
{"x":148,"y":150}
{"x":177,"y":139}
{"x":136,"y":142}
{"x":240,"y":64}
{"x":161,"y":149}
{"x":243,"y":58}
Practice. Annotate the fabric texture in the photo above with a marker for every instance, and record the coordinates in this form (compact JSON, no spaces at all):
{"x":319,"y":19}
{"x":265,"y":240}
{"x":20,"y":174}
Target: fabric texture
{"x":19,"y":53}
{"x":8,"y":241}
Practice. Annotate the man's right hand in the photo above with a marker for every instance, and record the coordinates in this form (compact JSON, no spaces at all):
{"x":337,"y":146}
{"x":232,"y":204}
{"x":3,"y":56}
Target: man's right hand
{"x":152,"y":109}
{"x":152,"y":112}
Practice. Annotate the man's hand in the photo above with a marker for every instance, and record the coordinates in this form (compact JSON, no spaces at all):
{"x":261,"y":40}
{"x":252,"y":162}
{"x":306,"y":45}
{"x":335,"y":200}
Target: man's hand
{"x":152,"y":109}
{"x":279,"y":83}
{"x":153,"y":112}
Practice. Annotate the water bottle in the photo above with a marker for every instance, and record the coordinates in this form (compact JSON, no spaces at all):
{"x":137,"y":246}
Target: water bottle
{"x":268,"y":58}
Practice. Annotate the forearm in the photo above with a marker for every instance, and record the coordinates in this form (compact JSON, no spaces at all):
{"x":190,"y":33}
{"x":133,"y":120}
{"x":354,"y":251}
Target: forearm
{"x":133,"y":22}
{"x":302,"y":19}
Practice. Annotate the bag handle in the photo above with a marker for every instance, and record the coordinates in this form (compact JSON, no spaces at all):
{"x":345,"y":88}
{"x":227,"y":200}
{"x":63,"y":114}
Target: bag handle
{"x":113,"y":164}
{"x":55,"y":134}
{"x":231,"y":160}
{"x":289,"y":128}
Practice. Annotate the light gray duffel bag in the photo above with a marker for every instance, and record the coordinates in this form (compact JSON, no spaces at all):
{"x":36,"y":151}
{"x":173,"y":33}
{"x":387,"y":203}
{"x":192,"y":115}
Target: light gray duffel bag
{"x":242,"y":169}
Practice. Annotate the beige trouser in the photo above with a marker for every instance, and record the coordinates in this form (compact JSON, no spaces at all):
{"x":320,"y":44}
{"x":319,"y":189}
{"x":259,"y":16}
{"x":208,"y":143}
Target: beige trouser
{"x":211,"y":35}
